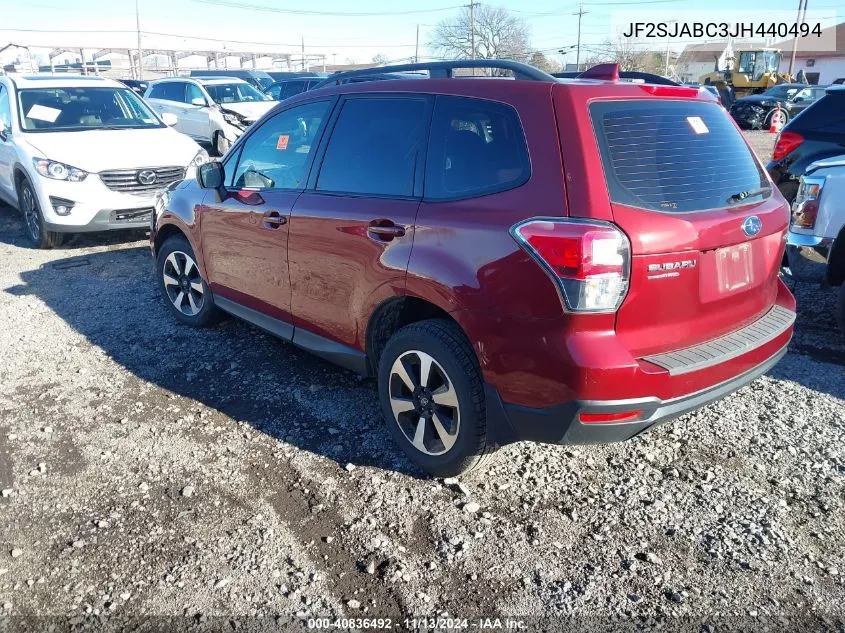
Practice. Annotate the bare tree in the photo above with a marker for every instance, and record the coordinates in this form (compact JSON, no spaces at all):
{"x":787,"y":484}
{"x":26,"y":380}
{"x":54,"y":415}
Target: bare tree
{"x":498,"y":35}
{"x":629,"y":54}
{"x":381,"y":59}
{"x":538,"y":60}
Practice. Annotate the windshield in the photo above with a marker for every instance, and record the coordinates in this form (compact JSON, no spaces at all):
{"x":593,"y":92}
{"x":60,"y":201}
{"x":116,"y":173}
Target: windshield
{"x":264,"y":82}
{"x":234,"y":93}
{"x":782,"y":92}
{"x":758,"y":63}
{"x":73,"y":109}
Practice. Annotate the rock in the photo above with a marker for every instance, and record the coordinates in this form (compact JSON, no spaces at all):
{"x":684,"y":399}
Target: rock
{"x":353,"y":604}
{"x":653,"y":558}
{"x":125,"y":595}
{"x":42,"y":468}
{"x":188,"y":491}
{"x":634,"y":597}
{"x":450,"y":481}
{"x":674,"y":596}
{"x":371,"y":567}
{"x":472,"y":507}
{"x":328,"y":539}
{"x":143,"y":486}
{"x":79,"y":544}
{"x":47,"y":429}
{"x":7,"y":492}
{"x":17,"y":552}
{"x":349,"y":467}
{"x":221,"y":583}
{"x":7,"y":605}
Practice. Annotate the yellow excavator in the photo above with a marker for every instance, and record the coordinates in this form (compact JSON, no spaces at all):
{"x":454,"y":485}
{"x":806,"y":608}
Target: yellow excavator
{"x":753,"y":72}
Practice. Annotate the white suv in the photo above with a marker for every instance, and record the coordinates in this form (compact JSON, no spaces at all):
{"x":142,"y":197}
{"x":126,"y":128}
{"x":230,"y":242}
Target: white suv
{"x":213,"y":110}
{"x":82,"y":154}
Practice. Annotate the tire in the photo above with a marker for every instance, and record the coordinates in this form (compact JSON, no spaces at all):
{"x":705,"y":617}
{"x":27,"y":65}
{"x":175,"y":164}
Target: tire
{"x":454,"y":377}
{"x":840,"y":311}
{"x":36,"y":233}
{"x":767,"y":122}
{"x":221,"y":143}
{"x":183,"y":289}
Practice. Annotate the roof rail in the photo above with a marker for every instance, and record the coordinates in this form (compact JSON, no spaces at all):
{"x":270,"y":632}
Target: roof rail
{"x":445,"y":70}
{"x":648,"y":78}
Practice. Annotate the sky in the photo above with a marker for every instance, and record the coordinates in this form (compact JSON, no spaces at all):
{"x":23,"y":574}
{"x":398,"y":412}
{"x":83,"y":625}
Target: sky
{"x":238,"y":25}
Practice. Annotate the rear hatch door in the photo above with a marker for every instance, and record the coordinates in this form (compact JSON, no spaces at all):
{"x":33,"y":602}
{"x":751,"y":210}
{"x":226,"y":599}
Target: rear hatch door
{"x":705,"y":224}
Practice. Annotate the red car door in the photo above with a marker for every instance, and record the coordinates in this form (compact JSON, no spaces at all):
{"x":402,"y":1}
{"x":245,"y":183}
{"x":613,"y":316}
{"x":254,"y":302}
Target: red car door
{"x":245,"y":235}
{"x":351,"y":232}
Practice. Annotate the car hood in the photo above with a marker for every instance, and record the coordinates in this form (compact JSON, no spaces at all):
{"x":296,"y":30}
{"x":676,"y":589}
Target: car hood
{"x":99,"y":150}
{"x":250,"y":110}
{"x":758,"y":99}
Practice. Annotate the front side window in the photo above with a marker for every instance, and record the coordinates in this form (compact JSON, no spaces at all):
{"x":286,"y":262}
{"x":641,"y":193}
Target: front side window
{"x":274,"y":91}
{"x":234,"y":93}
{"x":278,"y":154}
{"x":5,"y":109}
{"x":375,"y":147}
{"x":477,"y":147}
{"x":194,"y":92}
{"x":69,"y":109}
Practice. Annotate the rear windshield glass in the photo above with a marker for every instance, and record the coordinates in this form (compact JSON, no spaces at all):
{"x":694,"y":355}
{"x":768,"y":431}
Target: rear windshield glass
{"x":674,"y":156}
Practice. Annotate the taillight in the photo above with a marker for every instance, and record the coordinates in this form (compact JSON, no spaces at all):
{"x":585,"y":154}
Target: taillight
{"x":590,"y":261}
{"x":609,"y":418}
{"x":787,"y":142}
{"x":805,"y":209}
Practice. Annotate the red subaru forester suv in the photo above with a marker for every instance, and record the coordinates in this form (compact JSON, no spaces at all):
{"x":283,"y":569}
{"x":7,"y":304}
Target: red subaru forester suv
{"x":522,"y":258}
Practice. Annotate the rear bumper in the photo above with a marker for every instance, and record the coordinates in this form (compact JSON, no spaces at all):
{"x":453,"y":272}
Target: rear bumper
{"x":559,"y":424}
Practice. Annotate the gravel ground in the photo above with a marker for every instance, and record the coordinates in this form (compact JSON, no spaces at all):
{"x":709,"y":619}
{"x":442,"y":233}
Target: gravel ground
{"x":150,"y":469}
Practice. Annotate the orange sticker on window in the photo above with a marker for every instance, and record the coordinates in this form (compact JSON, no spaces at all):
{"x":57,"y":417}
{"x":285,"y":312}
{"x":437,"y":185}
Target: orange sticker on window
{"x":283,"y":141}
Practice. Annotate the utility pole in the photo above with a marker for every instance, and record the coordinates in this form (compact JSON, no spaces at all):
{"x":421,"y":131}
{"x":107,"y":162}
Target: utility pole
{"x":138,"y":32}
{"x":417,"y":48}
{"x":580,"y":14}
{"x":303,"y":53}
{"x":802,"y":5}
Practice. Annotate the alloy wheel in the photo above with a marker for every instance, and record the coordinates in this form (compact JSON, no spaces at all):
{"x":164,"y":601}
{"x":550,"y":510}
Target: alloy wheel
{"x":183,"y":283}
{"x":424,"y":402}
{"x":30,"y":214}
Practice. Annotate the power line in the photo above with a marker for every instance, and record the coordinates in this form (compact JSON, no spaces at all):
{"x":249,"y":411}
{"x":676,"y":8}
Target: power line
{"x":346,"y":14}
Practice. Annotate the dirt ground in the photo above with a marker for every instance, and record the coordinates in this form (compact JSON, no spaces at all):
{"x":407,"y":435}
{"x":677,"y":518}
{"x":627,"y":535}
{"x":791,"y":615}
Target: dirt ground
{"x":148,"y":469}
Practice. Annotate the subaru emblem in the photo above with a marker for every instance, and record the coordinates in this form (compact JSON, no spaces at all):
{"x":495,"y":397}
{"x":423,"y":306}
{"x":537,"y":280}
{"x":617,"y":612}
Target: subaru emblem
{"x":147,"y":177}
{"x":752,"y":226}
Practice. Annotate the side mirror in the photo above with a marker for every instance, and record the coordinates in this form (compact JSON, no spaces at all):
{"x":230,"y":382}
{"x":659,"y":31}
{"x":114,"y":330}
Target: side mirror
{"x":168,"y":118}
{"x":199,"y":101}
{"x":211,"y":175}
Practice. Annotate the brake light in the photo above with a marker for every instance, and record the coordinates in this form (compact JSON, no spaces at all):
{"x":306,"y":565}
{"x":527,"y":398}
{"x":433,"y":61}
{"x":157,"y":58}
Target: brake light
{"x":605,"y":418}
{"x":805,"y":209}
{"x":786,"y":143}
{"x":589,"y":261}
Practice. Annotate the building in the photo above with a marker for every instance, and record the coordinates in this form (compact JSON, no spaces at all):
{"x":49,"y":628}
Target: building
{"x":820,"y":67}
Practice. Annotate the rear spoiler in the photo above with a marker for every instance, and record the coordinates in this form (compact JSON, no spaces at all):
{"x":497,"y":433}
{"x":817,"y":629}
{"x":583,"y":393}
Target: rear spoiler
{"x":605,"y":72}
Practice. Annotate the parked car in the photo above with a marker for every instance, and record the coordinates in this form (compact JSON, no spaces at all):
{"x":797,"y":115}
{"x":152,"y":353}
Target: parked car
{"x":82,"y":154}
{"x":138,"y":86}
{"x":817,"y":133}
{"x":816,"y":240}
{"x":512,"y":260}
{"x":213,"y":110}
{"x":258,"y":79}
{"x":284,"y":75}
{"x":778,"y":104}
{"x":287,"y":88}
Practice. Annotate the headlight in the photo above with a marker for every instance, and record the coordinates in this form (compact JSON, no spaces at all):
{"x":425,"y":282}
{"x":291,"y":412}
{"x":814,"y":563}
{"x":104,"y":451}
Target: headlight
{"x":58,"y":171}
{"x":199,"y":159}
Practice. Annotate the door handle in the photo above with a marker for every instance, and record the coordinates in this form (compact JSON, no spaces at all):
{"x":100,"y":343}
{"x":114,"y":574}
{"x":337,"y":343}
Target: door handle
{"x":273,"y":220}
{"x":385,"y":230}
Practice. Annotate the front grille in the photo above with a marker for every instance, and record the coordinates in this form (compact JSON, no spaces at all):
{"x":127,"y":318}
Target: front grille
{"x":774,"y":323}
{"x":131,"y":215}
{"x":127,"y":180}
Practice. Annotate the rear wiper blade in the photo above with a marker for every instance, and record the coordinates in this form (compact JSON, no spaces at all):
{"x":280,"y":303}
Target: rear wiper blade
{"x":744,"y":195}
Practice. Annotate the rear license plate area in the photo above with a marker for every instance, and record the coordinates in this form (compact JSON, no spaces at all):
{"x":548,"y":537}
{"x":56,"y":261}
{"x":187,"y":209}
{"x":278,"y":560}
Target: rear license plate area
{"x":734,"y":267}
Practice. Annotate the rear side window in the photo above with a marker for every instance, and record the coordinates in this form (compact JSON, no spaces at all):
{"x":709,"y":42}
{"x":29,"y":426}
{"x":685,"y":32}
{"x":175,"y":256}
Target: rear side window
{"x":477,"y":147}
{"x":825,"y":115}
{"x":673,"y":156}
{"x":293,"y":88}
{"x":169,"y":91}
{"x":375,"y":147}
